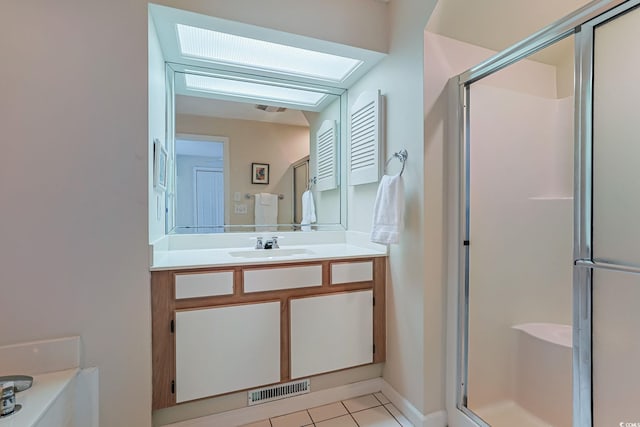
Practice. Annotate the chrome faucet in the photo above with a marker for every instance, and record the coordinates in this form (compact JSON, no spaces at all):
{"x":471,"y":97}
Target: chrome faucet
{"x":269,"y":244}
{"x":7,"y":399}
{"x":9,"y":386}
{"x":272,"y":243}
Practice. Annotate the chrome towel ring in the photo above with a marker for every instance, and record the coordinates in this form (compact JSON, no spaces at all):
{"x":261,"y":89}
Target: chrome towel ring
{"x":400,"y":155}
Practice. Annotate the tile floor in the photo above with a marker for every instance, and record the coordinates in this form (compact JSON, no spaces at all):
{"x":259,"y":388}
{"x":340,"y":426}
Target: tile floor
{"x":371,"y":410}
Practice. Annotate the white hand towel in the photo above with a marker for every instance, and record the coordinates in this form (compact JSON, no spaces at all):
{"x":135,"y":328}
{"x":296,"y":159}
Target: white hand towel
{"x":266,"y":212}
{"x":266,"y":199}
{"x":388,"y":211}
{"x":308,"y":211}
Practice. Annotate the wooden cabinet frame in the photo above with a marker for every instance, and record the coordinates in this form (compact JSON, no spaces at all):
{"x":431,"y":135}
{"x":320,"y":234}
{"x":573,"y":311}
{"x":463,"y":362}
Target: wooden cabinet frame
{"x":164,"y":306}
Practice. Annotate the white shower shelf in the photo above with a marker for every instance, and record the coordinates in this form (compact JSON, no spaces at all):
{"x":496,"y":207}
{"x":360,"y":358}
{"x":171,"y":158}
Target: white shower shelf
{"x":548,"y":198}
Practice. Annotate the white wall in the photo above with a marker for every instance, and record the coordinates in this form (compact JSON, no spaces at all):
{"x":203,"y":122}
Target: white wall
{"x":157,"y":101}
{"x":414,"y":360}
{"x":254,"y":142}
{"x":73,"y":253}
{"x":565,"y":74}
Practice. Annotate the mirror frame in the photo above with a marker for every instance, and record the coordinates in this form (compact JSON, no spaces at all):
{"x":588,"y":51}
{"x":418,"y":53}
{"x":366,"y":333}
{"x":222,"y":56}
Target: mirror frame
{"x":171,"y":69}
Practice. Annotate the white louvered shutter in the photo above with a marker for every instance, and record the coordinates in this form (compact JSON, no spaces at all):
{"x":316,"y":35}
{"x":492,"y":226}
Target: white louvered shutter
{"x":365,"y":147}
{"x":327,"y":156}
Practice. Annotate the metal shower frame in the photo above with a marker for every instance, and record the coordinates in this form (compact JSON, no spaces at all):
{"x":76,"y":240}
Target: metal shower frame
{"x":582,"y":24}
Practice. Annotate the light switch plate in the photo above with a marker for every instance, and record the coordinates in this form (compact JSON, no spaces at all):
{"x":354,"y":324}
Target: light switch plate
{"x":240,"y":209}
{"x":237,"y":196}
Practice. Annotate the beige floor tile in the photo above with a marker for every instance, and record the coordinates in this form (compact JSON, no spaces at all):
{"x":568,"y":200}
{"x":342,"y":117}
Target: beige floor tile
{"x":404,"y":422}
{"x":382,"y":398}
{"x":263,"y":423}
{"x":297,"y":419}
{"x":375,"y":417}
{"x":343,"y":421}
{"x":326,"y":412}
{"x":361,"y":403}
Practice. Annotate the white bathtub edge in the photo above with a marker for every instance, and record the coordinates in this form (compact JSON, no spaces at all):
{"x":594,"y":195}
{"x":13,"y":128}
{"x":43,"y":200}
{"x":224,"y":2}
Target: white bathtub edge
{"x":87,"y":398}
{"x":40,"y":357}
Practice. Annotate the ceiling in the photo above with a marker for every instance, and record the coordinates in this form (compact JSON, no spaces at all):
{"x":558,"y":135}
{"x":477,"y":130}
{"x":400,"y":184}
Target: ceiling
{"x":223,"y":104}
{"x":209,"y":107}
{"x":492,"y":24}
{"x":167,"y":20}
{"x":499,"y":24}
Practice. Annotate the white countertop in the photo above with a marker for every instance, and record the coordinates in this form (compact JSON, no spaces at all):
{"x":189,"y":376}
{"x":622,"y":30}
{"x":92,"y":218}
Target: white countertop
{"x":37,"y":400}
{"x":220,"y":257}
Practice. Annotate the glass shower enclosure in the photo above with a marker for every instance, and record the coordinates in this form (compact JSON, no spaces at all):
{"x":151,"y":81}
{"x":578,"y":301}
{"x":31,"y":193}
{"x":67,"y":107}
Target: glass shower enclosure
{"x":544,"y":244}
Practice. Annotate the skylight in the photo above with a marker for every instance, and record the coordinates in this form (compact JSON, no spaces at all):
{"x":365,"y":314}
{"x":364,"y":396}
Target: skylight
{"x":229,"y":49}
{"x":253,"y":91}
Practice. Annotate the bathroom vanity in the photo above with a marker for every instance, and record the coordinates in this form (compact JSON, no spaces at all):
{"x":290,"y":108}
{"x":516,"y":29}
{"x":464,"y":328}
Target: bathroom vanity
{"x":228,"y":317}
{"x":219,"y":329}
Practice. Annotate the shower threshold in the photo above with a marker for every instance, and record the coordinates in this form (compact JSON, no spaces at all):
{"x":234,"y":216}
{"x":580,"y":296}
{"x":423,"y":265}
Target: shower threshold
{"x":508,"y":413}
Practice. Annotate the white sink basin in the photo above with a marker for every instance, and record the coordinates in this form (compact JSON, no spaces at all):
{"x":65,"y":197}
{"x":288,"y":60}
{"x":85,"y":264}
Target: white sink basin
{"x":270,"y":253}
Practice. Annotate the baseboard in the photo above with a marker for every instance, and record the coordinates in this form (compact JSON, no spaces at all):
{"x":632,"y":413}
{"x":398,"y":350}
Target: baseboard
{"x":252,"y":414}
{"x":417,"y":418}
{"x":436,"y":419}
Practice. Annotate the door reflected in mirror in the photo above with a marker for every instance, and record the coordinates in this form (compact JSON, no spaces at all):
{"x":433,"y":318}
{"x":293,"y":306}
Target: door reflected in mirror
{"x":200,"y":177}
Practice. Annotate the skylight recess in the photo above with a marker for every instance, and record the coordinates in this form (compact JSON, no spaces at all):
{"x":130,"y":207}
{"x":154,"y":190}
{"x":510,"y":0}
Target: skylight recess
{"x":229,"y":49}
{"x":254,"y":91}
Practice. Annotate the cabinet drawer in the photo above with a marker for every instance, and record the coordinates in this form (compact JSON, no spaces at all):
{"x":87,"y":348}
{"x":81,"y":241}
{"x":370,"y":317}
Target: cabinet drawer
{"x":196,"y":285}
{"x":271,"y":279}
{"x":348,"y":272}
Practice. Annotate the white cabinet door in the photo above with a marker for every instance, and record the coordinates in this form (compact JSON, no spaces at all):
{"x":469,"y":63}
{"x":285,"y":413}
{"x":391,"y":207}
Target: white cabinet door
{"x":223,"y":349}
{"x":331,"y":332}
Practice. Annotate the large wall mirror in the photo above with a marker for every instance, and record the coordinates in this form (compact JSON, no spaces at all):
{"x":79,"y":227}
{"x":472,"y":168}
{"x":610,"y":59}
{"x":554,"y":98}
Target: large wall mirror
{"x":244,"y":151}
{"x":255,"y":125}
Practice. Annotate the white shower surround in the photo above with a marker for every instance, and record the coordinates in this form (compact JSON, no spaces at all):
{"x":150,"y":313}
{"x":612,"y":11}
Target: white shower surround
{"x":543,"y":371}
{"x":523,"y":225}
{"x":553,"y":333}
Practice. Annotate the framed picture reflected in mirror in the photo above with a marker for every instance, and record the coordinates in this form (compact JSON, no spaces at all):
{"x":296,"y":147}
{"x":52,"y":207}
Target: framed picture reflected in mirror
{"x":259,"y":173}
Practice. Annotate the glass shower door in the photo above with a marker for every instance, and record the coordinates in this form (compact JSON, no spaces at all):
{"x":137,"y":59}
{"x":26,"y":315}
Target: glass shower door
{"x":513,"y":240}
{"x":520,"y":239}
{"x":616,"y":221}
